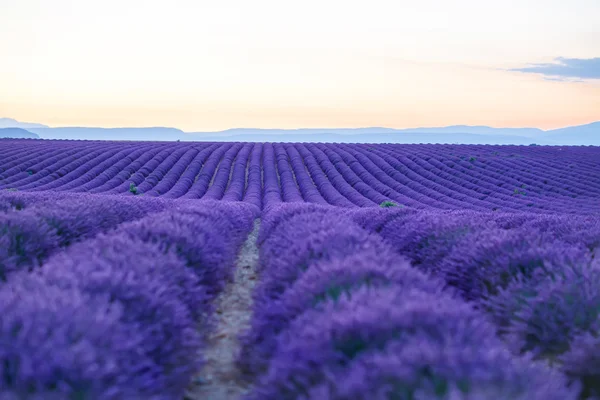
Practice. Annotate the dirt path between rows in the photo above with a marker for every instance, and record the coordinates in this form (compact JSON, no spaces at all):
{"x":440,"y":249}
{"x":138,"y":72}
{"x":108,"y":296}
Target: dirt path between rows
{"x":219,"y":379}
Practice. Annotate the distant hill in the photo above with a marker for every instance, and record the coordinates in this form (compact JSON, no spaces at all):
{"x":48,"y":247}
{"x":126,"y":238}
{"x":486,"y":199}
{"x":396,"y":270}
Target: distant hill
{"x":576,"y":135}
{"x":404,"y":138}
{"x":82,"y":133}
{"x":478,"y":130}
{"x":464,"y":134}
{"x":300,"y":131}
{"x":13,"y":123}
{"x":17,"y":133}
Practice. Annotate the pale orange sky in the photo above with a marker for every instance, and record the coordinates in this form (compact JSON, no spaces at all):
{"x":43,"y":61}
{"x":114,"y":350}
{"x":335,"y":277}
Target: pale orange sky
{"x":205,"y":65}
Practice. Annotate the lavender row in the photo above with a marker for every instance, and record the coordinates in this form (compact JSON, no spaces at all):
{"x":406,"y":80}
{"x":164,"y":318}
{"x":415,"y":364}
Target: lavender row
{"x":33,"y":227}
{"x":253,"y":192}
{"x":116,"y":316}
{"x":339,"y":315}
{"x":536,"y":276}
{"x":501,"y":190}
{"x":445,"y":177}
{"x":203,"y":180}
{"x":514,"y":169}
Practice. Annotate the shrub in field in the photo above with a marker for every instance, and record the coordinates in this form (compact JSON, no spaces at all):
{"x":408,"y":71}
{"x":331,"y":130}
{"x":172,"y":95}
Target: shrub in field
{"x":173,"y":232}
{"x":421,"y":368}
{"x":486,"y":261}
{"x":237,"y":218}
{"x":161,"y":298}
{"x":206,"y":238}
{"x":576,"y":230}
{"x":32,"y":235}
{"x":582,"y":362}
{"x":543,"y":315}
{"x":388,"y":204}
{"x":416,"y":341}
{"x":25,"y":241}
{"x":427,"y":237}
{"x":10,"y":203}
{"x":325,"y":281}
{"x":306,"y":239}
{"x":57,"y":343}
{"x":279,"y":214}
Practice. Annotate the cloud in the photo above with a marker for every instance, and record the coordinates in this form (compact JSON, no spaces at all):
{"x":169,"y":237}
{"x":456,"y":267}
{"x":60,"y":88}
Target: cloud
{"x":566,"y":69}
{"x":558,"y":79}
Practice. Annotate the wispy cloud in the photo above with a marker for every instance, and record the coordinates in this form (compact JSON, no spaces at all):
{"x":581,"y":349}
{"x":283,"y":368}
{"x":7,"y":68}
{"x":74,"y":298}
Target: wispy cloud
{"x":566,"y":69}
{"x":563,"y":79}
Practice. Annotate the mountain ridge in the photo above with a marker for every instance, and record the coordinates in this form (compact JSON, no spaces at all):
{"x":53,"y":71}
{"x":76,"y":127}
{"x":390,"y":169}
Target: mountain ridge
{"x":17,"y":133}
{"x":587,"y":134}
{"x":13,"y":123}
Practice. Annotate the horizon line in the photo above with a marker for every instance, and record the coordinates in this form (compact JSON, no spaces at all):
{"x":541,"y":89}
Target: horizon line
{"x":45,"y":126}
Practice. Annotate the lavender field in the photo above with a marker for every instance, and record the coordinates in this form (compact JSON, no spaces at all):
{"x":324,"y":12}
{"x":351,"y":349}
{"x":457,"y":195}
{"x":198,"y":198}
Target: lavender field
{"x":154,"y":270}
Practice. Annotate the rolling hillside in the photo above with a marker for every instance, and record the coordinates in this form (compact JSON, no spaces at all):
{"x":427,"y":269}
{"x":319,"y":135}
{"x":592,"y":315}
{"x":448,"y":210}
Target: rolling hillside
{"x":530,"y":178}
{"x":253,"y":271}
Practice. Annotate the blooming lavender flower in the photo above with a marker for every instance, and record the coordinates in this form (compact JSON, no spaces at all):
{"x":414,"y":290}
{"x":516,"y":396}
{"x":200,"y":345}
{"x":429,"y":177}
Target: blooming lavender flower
{"x":420,"y":368}
{"x":65,"y":344}
{"x":485,"y":261}
{"x":543,"y":316}
{"x":325,"y":343}
{"x":25,"y":241}
{"x":582,"y":362}
{"x":327,"y":280}
{"x":427,"y":237}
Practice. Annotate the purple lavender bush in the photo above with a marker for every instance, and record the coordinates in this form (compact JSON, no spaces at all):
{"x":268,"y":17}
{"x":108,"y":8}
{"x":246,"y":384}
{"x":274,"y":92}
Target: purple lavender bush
{"x":413,"y":343}
{"x":488,"y":260}
{"x":582,"y":362}
{"x":58,"y":343}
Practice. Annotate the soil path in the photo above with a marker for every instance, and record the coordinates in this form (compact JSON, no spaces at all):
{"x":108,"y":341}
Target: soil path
{"x":219,"y":378}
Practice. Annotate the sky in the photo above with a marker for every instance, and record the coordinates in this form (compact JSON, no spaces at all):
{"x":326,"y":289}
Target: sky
{"x":212,"y":65}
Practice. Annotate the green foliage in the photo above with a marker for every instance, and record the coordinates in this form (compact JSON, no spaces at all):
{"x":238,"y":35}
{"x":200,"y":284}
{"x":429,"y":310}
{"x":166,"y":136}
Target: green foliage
{"x":387,"y":204}
{"x":12,"y":190}
{"x":333,"y":293}
{"x":132,"y":188}
{"x":352,"y":346}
